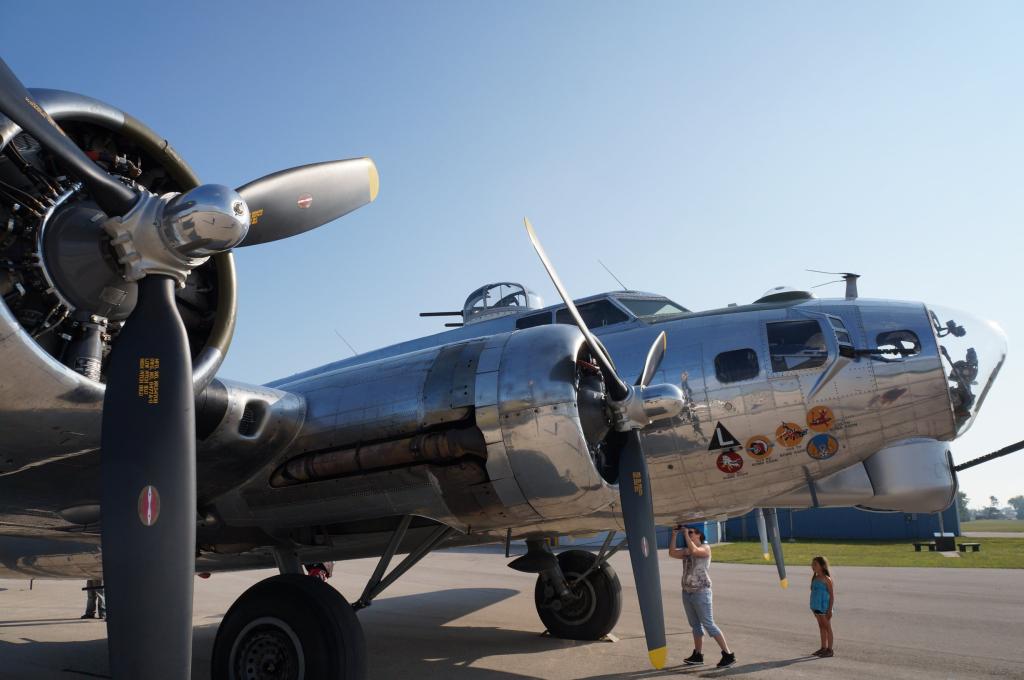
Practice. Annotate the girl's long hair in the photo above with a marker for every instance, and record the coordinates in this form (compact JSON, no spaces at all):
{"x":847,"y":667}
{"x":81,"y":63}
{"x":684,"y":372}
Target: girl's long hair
{"x":823,"y":563}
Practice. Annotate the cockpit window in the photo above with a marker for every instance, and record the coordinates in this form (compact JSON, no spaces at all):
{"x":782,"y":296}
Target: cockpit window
{"x":649,"y":308}
{"x":796,"y":345}
{"x":595,"y":314}
{"x":533,"y":320}
{"x":898,"y":344}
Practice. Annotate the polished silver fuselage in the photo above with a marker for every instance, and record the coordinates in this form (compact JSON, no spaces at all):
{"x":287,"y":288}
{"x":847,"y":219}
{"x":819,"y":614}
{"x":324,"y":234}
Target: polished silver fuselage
{"x":537,"y":464}
{"x":874,"y":433}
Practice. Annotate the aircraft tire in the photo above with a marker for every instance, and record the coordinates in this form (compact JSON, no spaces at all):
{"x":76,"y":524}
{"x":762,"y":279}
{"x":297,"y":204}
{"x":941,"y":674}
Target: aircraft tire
{"x":290,"y":620}
{"x":598,"y":604}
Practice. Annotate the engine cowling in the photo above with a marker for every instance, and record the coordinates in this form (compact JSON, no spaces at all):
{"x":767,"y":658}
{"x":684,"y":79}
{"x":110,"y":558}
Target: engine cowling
{"x":63,"y":285}
{"x":520,"y":415}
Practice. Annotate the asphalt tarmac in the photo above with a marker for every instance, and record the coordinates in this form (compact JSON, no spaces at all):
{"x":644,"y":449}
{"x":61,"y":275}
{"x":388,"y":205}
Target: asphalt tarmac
{"x":462,"y":615}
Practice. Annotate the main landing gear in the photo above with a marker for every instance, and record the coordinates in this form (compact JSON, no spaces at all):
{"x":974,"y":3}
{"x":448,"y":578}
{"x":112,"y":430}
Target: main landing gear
{"x":578,"y":595}
{"x":296,"y":627}
{"x":289,"y":626}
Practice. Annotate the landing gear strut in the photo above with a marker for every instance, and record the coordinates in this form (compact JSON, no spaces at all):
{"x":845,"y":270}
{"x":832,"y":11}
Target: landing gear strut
{"x":592,"y":605}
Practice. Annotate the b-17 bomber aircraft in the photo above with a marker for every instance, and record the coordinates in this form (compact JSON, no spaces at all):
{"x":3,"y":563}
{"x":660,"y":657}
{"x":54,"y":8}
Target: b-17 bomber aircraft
{"x":124,"y":456}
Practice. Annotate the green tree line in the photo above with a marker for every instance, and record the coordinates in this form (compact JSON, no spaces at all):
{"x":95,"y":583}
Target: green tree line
{"x":991,"y":511}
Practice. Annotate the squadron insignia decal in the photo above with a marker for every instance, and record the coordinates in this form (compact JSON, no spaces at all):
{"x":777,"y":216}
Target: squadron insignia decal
{"x":820,"y":419}
{"x":822,"y":446}
{"x":722,"y":439}
{"x":759,"y":447}
{"x":790,"y":434}
{"x":729,"y":462}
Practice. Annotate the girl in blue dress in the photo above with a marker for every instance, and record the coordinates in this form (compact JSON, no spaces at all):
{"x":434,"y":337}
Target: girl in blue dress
{"x":823,"y":599}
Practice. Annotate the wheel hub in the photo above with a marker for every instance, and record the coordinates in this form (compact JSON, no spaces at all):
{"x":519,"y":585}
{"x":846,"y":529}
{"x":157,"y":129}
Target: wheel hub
{"x":267,"y":649}
{"x":578,"y":608}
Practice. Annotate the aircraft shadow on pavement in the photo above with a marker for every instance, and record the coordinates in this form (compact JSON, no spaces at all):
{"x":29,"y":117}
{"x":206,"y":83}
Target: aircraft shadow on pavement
{"x":69,"y":659}
{"x":43,"y":622}
{"x":706,"y":671}
{"x":407,"y":637}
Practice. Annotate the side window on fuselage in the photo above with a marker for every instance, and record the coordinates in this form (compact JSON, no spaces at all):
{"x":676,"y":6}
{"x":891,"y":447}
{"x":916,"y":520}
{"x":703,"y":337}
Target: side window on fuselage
{"x":595,"y":314}
{"x":796,"y":345}
{"x":898,"y":344}
{"x":532,"y":320}
{"x":737,"y":365}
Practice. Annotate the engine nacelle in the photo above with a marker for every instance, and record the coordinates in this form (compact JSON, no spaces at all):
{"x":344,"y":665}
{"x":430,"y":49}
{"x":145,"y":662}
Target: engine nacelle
{"x":496,"y":421}
{"x":915,"y":475}
{"x":65,"y":281}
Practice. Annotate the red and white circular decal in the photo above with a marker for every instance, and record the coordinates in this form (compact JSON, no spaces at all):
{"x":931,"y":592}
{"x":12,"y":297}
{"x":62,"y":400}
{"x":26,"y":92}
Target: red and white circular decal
{"x":729,"y":462}
{"x":149,"y":505}
{"x":305,"y":200}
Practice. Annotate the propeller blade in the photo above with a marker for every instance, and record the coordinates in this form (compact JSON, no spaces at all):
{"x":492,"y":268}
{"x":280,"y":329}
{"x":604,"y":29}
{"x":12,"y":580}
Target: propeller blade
{"x":616,"y":388}
{"x":638,"y":516}
{"x":762,"y":533}
{"x":149,"y":490}
{"x":654,"y":356}
{"x":294,"y":201}
{"x":772,"y":518}
{"x":634,"y":480}
{"x":114,"y":197}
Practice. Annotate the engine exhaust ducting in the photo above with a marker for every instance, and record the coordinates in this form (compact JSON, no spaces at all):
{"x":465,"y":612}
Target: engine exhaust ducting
{"x":436,"y":448}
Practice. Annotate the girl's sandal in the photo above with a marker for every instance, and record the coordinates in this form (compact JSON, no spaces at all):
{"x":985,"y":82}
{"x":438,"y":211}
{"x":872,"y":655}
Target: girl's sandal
{"x":827,"y":654}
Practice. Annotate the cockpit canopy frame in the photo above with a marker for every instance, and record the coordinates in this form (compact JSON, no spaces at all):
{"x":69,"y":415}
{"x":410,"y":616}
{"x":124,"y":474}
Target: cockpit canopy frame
{"x":498,"y":299}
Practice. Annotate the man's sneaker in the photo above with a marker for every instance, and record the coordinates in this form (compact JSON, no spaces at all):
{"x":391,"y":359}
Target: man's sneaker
{"x":827,"y":654}
{"x":695,"y":659}
{"x":86,"y":616}
{"x":728,"y":659}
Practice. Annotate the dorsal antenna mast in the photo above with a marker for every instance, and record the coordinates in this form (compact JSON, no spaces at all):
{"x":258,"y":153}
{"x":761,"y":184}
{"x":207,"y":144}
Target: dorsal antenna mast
{"x":849,"y":277}
{"x":347,"y":343}
{"x":612,"y":275}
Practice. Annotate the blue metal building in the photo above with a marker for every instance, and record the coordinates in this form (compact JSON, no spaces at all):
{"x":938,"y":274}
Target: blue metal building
{"x":848,"y":523}
{"x":821,"y":523}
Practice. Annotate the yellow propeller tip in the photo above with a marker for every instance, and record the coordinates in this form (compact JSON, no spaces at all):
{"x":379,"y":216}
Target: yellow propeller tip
{"x":766,"y":556}
{"x":371,"y":170}
{"x":784,"y":583}
{"x":658,"y":656}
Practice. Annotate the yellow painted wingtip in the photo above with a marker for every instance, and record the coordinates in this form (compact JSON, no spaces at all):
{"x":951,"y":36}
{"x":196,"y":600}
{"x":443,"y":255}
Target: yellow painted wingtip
{"x":658,"y":656}
{"x":784,"y":583}
{"x":371,"y":170}
{"x":766,"y":557}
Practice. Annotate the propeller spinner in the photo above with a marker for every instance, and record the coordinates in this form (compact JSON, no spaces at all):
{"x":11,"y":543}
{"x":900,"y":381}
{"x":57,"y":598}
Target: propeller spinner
{"x":148,"y":431}
{"x":632,"y":408}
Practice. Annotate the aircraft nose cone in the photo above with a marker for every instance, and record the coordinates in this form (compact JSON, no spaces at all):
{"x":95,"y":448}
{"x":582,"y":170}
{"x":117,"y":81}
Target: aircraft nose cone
{"x":972,"y":351}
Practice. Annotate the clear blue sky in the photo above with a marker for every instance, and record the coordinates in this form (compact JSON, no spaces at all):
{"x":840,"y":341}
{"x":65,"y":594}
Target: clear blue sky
{"x":704,"y":151}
